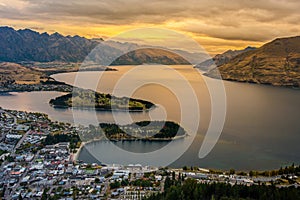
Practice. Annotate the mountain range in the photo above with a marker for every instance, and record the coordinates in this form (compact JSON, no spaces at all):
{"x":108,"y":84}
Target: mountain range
{"x":275,"y":63}
{"x":28,"y":45}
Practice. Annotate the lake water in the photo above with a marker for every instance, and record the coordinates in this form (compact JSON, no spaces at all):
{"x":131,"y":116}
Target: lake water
{"x":261,"y":131}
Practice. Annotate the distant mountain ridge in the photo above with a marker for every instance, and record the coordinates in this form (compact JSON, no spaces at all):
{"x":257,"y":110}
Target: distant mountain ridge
{"x":221,"y":59}
{"x":275,"y":63}
{"x":27,"y":45}
{"x":150,"y":55}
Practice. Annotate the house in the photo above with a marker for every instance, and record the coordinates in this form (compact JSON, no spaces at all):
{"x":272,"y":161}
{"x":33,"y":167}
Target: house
{"x":21,"y":127}
{"x":158,"y":177}
{"x":113,"y":194}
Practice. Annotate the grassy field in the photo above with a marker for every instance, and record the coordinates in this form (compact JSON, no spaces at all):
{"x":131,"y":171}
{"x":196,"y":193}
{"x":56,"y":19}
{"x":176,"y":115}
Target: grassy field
{"x":12,"y":72}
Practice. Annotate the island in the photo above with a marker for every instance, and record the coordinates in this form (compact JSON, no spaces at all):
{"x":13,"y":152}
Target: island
{"x":144,"y":130}
{"x":88,"y":99}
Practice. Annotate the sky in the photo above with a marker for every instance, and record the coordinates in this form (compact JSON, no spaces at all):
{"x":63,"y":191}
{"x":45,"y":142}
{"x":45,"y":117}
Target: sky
{"x":217,"y":25}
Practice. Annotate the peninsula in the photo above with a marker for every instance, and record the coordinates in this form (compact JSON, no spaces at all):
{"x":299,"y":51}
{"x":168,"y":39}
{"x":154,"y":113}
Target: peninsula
{"x":88,"y":99}
{"x":144,"y":130}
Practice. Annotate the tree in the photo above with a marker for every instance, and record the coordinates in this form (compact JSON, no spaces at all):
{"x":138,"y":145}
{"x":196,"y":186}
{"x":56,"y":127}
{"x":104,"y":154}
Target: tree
{"x":192,"y":190}
{"x":179,"y":177}
{"x":115,"y":184}
{"x":251,"y":173}
{"x":188,"y":187}
{"x":44,"y":195}
{"x":274,"y":173}
{"x":280,"y":172}
{"x":173,"y":175}
{"x":125,"y":182}
{"x":97,"y":180}
{"x":168,"y":183}
{"x":173,"y":193}
{"x":10,"y":158}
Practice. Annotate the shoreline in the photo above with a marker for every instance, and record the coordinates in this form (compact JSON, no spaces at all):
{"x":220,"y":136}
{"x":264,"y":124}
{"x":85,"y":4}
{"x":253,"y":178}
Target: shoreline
{"x":51,"y":86}
{"x":145,"y":139}
{"x":102,"y":109}
{"x":75,"y":156}
{"x":270,"y":84}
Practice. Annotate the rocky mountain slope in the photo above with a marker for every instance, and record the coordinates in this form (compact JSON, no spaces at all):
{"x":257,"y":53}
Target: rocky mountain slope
{"x":275,"y":63}
{"x":28,"y":45}
{"x":221,"y":59}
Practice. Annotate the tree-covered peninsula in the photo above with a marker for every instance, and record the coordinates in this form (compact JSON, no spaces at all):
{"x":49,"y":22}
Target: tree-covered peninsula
{"x":144,"y":130}
{"x":88,"y":99}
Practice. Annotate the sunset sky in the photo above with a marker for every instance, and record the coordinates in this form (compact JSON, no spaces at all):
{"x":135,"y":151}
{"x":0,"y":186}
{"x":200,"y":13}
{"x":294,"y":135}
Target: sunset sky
{"x":217,"y":25}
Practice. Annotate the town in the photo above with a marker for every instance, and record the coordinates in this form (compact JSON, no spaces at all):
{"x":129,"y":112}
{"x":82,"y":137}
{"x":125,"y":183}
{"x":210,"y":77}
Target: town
{"x":39,"y":161}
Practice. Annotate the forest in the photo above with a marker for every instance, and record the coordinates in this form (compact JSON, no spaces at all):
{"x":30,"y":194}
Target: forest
{"x":145,"y":130}
{"x":189,"y":189}
{"x":81,"y":98}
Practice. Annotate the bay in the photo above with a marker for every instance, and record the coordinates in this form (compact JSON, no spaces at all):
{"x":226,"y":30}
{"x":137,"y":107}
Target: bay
{"x":261,"y":131}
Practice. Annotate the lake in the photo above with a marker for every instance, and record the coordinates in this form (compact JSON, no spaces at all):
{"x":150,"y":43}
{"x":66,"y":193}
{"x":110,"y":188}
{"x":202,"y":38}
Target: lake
{"x":261,"y":131}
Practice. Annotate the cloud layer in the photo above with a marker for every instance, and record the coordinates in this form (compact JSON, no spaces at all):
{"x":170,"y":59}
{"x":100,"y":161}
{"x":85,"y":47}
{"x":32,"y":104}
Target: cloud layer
{"x":246,"y":21}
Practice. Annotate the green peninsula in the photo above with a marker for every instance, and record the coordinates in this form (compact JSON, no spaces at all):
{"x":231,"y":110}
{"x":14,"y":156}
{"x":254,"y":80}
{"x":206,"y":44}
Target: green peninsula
{"x":144,"y":130}
{"x":88,"y":99}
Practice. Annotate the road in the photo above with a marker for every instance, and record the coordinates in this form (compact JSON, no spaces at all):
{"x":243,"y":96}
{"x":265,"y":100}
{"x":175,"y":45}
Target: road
{"x":19,"y":143}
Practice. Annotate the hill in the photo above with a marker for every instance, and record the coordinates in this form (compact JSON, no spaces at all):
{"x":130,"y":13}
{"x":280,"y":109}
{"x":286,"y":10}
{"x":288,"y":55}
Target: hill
{"x":275,"y":63}
{"x":150,"y":55}
{"x":14,"y":73}
{"x":221,"y":59}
